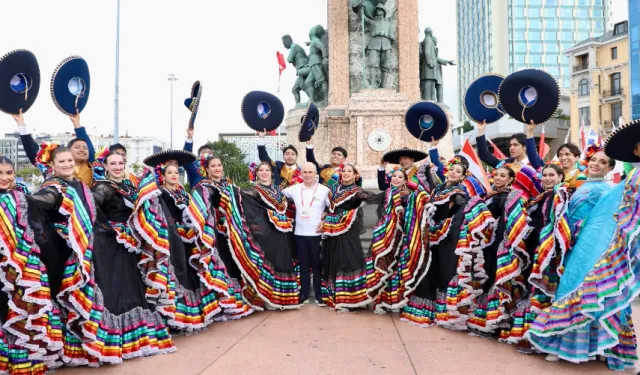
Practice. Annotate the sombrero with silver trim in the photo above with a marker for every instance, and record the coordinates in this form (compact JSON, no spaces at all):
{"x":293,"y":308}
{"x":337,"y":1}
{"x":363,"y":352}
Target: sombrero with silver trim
{"x":394,"y":156}
{"x":309,"y":123}
{"x":19,"y":81}
{"x":481,"y":101}
{"x":70,"y":85}
{"x":529,"y":94}
{"x":621,"y":143}
{"x":180,"y":156}
{"x":193,"y":102}
{"x":427,"y":119}
{"x":262,"y":110}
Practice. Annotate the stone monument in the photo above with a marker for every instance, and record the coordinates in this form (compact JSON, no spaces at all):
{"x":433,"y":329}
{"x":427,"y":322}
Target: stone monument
{"x":431,"y":84}
{"x":368,"y":121}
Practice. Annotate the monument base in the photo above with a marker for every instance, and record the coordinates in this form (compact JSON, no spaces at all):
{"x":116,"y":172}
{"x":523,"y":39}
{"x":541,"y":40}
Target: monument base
{"x":370,"y":125}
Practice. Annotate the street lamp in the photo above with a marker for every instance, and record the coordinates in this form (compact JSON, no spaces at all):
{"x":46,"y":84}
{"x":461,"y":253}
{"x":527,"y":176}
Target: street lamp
{"x":116,"y":104}
{"x":172,"y":78}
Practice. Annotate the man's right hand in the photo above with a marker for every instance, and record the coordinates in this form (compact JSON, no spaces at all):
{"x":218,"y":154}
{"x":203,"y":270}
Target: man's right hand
{"x":481,"y":127}
{"x":190,"y":134}
{"x":19,"y":118}
{"x":310,"y":142}
{"x":383,"y":164}
{"x":262,"y":134}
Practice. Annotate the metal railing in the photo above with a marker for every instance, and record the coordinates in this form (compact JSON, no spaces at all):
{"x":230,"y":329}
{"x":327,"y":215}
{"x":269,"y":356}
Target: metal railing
{"x":613,"y":92}
{"x":579,"y":67}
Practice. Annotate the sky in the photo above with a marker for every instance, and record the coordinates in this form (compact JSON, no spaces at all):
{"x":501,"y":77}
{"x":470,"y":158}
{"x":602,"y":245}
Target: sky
{"x":230,"y":46}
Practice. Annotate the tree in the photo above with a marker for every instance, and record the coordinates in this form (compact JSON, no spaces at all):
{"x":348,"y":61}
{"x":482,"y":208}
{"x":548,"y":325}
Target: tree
{"x":232,"y":161}
{"x":27,"y":172}
{"x":467,"y":127}
{"x":137,"y":168}
{"x":561,"y":115}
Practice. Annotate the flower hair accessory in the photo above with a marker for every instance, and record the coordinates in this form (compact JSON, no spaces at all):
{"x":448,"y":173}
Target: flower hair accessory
{"x":253,"y":171}
{"x":99,"y":171}
{"x":358,"y":179}
{"x":457,"y":160}
{"x":43,"y":158}
{"x":161,"y":168}
{"x":387,"y":178}
{"x":204,"y":160}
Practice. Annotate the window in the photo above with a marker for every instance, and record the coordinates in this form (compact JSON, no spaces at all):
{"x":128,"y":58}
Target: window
{"x":620,"y":28}
{"x":568,"y":2}
{"x":520,"y":24}
{"x":551,"y":59}
{"x":549,"y":12}
{"x":597,"y":12}
{"x":534,"y":12}
{"x":535,"y":24}
{"x":535,"y":2}
{"x":616,"y":111}
{"x":583,"y":87}
{"x":519,"y":35}
{"x":550,"y":35}
{"x":582,"y":13}
{"x":615,"y":83}
{"x":534,"y":35}
{"x":600,"y":25}
{"x":535,"y":59}
{"x":567,"y":25}
{"x":567,"y":35}
{"x":551,"y":23}
{"x":519,"y":12}
{"x":585,"y":115}
{"x":520,"y":59}
{"x":584,"y":25}
{"x":614,"y":53}
{"x":521,"y":47}
{"x":567,"y":13}
{"x":551,"y":47}
{"x":535,"y":47}
{"x":550,"y":2}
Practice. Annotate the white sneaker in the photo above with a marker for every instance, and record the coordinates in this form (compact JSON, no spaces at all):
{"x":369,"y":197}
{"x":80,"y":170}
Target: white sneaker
{"x":379,"y":311}
{"x":552,"y":358}
{"x":321,"y":304}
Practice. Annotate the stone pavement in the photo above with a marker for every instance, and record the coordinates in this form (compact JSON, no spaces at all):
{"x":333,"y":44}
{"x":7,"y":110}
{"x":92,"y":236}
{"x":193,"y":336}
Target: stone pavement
{"x":317,"y":340}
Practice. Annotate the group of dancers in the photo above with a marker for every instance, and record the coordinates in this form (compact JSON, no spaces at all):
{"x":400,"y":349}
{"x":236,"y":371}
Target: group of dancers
{"x":101,"y":265}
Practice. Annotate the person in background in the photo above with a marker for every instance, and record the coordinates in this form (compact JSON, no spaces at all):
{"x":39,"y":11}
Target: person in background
{"x":287,"y":172}
{"x":518,"y":145}
{"x":329,"y":173}
{"x":193,"y":177}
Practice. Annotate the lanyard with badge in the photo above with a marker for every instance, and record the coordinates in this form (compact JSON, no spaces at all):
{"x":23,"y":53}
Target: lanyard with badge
{"x":304,"y":214}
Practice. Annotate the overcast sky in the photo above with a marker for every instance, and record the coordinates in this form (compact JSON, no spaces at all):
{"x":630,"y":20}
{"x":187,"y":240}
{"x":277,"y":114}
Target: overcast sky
{"x":230,"y":46}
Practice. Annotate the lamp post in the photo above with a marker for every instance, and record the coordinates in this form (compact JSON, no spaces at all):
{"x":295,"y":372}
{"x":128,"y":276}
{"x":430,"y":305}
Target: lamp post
{"x":172,"y":78}
{"x":116,"y":104}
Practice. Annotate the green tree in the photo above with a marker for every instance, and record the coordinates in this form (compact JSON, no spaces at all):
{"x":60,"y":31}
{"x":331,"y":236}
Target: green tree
{"x":561,"y":115}
{"x":27,"y":172}
{"x":232,"y":161}
{"x":467,"y":127}
{"x":137,"y":168}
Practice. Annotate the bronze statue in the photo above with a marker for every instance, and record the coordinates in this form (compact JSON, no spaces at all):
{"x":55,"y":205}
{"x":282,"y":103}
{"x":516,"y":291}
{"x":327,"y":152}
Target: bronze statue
{"x":366,"y":8}
{"x":431,"y":68}
{"x":381,"y":38}
{"x":298,"y":58}
{"x":319,"y":61}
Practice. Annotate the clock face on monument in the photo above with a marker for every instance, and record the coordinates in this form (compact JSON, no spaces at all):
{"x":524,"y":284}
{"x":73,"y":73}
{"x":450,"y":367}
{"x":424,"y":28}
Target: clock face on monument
{"x":379,"y":140}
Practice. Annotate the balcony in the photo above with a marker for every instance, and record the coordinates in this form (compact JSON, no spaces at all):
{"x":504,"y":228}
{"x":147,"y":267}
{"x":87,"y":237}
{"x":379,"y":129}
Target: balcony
{"x":617,"y":91}
{"x":580,"y":67}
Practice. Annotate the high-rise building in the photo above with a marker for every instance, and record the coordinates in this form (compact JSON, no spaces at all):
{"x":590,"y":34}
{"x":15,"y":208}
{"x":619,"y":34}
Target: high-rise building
{"x":634,"y":58}
{"x":503,"y":36}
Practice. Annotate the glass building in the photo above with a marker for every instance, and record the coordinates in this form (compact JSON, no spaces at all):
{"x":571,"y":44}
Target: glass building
{"x":503,"y":36}
{"x":634,"y":58}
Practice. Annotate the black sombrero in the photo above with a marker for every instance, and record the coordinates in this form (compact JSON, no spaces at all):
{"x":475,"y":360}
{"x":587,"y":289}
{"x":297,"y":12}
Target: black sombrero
{"x":261,"y":110}
{"x":622,"y":141}
{"x":193,"y":102}
{"x":70,"y":85}
{"x":19,"y":81}
{"x":427,"y":119}
{"x":394,"y":156}
{"x":309,"y":123}
{"x":529,"y":94}
{"x":182,"y":157}
{"x":481,"y":101}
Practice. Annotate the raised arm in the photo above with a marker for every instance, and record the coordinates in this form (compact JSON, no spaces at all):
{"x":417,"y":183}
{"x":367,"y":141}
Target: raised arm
{"x":382,"y":176}
{"x":483,"y":149}
{"x":81,"y":133}
{"x":262,"y":149}
{"x":532,"y":151}
{"x":311,"y":157}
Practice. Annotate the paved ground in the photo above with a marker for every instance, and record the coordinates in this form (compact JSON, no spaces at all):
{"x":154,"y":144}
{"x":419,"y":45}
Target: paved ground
{"x":319,"y":341}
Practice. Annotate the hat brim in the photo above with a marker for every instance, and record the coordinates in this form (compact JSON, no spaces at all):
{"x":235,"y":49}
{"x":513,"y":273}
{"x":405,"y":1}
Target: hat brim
{"x":70,"y":68}
{"x":309,"y":123}
{"x":193,"y":102}
{"x":270,"y":120}
{"x":622,"y":141}
{"x":18,"y":62}
{"x":548,"y":95}
{"x":437,"y":129}
{"x":475,"y":107}
{"x":180,"y":156}
{"x":394,"y":156}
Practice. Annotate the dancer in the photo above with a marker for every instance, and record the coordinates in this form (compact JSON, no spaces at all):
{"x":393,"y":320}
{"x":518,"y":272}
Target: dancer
{"x":345,"y":269}
{"x":192,"y":170}
{"x":287,"y":172}
{"x":329,"y":173}
{"x":137,"y":329}
{"x":518,"y":145}
{"x":261,"y":240}
{"x":459,"y":229}
{"x":213,"y":197}
{"x":406,"y":158}
{"x":591,"y":314}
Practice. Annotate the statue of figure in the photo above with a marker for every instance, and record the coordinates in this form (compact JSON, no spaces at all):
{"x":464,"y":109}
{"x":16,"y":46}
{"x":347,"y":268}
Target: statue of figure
{"x":431,"y":68}
{"x":366,"y":8}
{"x":298,"y":58}
{"x":378,"y":50}
{"x":319,"y":60}
{"x":441,"y":62}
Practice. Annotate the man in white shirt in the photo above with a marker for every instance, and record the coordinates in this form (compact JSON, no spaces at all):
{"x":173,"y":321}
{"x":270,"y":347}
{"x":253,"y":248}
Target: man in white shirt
{"x":311,"y":199}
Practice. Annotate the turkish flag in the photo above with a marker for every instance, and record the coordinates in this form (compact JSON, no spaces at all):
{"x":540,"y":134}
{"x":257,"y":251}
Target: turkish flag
{"x":543,"y":148}
{"x":281,"y":62}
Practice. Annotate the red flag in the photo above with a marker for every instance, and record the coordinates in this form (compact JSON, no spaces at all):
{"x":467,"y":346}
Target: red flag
{"x":272,"y":132}
{"x":583,"y":136}
{"x":543,"y":148}
{"x":475,"y":165}
{"x":496,"y":151}
{"x":281,"y":62}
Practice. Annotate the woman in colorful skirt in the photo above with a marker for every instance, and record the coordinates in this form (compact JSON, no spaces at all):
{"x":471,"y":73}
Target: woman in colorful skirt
{"x":213,"y":197}
{"x":137,"y":328}
{"x":345,"y":267}
{"x":397,"y":267}
{"x":263,"y":246}
{"x":459,"y":229}
{"x":506,"y":259}
{"x":546,"y":245}
{"x":591,"y":315}
{"x":192,"y":282}
{"x":31,"y":333}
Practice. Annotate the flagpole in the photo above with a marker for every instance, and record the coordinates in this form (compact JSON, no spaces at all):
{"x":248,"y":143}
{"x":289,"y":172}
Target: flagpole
{"x":116,"y":104}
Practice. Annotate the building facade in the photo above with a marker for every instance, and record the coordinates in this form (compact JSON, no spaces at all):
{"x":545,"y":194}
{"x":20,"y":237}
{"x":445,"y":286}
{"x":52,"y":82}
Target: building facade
{"x":634,"y":58}
{"x":599,"y":81}
{"x":503,"y":36}
{"x":246,"y":142}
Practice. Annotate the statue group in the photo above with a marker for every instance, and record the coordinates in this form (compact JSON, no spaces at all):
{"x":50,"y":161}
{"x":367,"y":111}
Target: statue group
{"x":379,"y":42}
{"x":312,"y":70}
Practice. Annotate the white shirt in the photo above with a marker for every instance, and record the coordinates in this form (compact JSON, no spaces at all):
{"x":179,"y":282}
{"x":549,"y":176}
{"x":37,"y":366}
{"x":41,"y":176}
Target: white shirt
{"x":306,"y":225}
